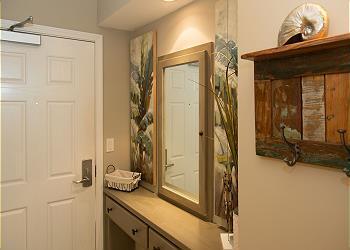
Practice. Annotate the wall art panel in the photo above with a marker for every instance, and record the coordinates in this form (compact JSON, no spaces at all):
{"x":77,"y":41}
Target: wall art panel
{"x":226,"y":71}
{"x":142,"y":110}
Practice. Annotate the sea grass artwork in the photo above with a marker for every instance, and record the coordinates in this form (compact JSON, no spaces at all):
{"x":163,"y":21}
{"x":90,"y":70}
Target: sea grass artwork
{"x":142,"y":110}
{"x":225,"y":84}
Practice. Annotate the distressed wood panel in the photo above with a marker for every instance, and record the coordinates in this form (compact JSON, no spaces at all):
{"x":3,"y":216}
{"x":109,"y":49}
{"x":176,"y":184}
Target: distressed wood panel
{"x":310,"y":94}
{"x":263,"y":113}
{"x":313,"y":93}
{"x":323,"y":154}
{"x":286,"y":107}
{"x":315,"y":63}
{"x":337,"y":105}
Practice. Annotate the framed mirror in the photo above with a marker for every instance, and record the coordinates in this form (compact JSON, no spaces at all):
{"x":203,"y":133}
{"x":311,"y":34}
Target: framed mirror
{"x":185,"y":128}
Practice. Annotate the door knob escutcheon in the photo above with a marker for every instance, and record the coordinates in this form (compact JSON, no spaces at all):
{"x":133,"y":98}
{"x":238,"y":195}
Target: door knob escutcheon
{"x":86,"y":174}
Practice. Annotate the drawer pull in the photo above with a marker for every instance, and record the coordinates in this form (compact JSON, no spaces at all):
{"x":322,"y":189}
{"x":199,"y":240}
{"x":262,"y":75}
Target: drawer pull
{"x":134,"y":231}
{"x":156,"y":248}
{"x":109,"y":209}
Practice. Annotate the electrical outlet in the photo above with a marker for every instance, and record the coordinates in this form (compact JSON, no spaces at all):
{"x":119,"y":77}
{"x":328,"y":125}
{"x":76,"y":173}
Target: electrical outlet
{"x":109,"y":145}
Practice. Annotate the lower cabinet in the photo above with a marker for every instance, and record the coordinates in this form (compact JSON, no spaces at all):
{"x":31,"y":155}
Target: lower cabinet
{"x":158,"y":242}
{"x":130,"y":224}
{"x":138,"y":233}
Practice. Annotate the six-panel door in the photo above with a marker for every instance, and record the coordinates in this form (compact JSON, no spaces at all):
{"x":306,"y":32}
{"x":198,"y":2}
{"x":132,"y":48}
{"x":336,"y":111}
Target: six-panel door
{"x":47,"y":130}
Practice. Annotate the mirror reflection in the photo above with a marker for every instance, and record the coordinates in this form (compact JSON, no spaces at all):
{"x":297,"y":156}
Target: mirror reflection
{"x":181,"y":128}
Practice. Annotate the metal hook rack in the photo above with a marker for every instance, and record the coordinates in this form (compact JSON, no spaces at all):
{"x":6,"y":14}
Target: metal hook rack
{"x":294,"y":148}
{"x":342,"y":133}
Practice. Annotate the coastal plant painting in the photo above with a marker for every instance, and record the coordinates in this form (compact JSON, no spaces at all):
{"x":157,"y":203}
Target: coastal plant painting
{"x":142,"y":110}
{"x":225,"y":111}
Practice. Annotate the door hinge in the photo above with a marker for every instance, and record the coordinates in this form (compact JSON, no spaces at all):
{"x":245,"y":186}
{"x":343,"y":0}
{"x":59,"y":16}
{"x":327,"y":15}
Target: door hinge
{"x":95,"y":170}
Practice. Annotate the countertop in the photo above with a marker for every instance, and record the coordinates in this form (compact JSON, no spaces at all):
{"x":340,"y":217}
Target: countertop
{"x":178,"y":226}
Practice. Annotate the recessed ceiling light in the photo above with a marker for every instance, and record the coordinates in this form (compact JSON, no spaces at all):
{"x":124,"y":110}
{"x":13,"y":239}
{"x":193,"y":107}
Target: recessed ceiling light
{"x":169,"y":0}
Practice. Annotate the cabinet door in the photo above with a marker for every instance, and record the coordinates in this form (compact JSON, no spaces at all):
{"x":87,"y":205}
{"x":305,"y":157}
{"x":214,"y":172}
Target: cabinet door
{"x":157,"y":242}
{"x":130,"y":224}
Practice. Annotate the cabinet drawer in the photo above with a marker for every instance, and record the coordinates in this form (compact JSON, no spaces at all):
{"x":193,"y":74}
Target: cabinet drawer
{"x":158,"y":242}
{"x":130,"y":224}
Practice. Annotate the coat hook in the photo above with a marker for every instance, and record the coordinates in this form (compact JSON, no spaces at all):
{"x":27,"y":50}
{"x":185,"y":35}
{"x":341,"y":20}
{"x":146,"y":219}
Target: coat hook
{"x":342,"y":133}
{"x":294,"y":148}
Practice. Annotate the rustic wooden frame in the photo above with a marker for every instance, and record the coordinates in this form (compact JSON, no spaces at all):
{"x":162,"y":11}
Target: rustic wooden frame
{"x":328,"y":58}
{"x":204,"y":207}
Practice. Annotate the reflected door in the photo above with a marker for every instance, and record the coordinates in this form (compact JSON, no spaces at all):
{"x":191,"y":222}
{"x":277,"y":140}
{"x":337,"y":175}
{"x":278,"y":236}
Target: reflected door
{"x":181,"y":125}
{"x":47,"y":129}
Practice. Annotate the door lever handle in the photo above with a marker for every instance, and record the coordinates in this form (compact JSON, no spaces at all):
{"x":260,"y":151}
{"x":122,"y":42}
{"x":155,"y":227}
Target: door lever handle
{"x":86,"y":174}
{"x":169,"y":165}
{"x":84,"y":180}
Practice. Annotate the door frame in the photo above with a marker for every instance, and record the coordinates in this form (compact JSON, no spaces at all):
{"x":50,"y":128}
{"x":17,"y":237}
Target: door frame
{"x":98,"y":62}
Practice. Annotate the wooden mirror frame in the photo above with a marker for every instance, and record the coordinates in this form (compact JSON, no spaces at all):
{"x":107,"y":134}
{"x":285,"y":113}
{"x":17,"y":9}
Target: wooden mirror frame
{"x":204,"y":207}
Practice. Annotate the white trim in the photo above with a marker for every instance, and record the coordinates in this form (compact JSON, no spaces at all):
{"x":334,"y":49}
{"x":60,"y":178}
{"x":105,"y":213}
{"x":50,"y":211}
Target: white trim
{"x":20,"y":37}
{"x":52,"y":31}
{"x":98,"y":41}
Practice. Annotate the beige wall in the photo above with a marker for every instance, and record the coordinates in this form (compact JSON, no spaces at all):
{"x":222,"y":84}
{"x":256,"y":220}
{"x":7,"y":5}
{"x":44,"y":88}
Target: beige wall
{"x":300,"y":208}
{"x":192,"y":25}
{"x":82,"y":15}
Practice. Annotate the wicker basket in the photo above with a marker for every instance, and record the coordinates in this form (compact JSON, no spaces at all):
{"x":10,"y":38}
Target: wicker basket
{"x":122,"y":180}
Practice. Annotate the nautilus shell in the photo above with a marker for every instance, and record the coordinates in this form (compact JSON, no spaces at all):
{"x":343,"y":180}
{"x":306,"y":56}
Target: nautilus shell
{"x":308,"y":21}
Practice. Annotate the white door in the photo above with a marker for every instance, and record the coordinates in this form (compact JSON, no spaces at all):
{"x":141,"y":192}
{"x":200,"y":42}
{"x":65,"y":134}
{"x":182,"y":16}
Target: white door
{"x":47,"y":129}
{"x":181,"y":119}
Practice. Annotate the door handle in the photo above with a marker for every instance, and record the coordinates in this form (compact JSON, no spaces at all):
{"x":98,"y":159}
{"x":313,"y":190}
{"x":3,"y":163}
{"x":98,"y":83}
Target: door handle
{"x":86,"y":174}
{"x":169,"y":165}
{"x":84,"y":180}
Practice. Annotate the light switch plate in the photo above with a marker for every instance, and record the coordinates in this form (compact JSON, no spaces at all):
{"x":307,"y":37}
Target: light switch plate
{"x":109,"y":145}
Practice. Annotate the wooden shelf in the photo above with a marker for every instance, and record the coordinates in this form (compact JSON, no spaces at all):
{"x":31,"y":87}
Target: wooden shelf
{"x":299,"y":48}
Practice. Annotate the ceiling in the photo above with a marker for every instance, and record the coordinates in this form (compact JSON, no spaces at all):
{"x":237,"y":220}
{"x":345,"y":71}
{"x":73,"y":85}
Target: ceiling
{"x":133,"y":14}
